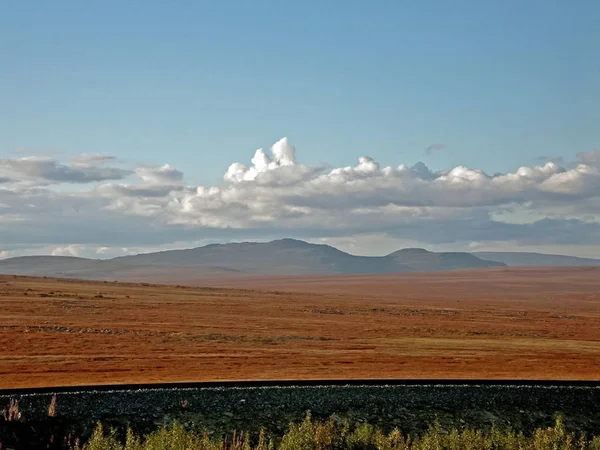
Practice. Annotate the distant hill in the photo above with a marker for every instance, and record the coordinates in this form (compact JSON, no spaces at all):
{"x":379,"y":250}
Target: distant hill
{"x":420,"y":260}
{"x":44,"y":266}
{"x":536,"y":259}
{"x":280,"y":257}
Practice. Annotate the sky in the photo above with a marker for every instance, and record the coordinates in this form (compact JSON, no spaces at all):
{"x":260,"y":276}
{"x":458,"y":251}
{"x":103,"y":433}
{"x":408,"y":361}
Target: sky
{"x":136,"y":126}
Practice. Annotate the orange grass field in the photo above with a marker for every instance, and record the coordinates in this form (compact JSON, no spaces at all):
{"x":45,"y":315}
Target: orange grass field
{"x":526,"y":323}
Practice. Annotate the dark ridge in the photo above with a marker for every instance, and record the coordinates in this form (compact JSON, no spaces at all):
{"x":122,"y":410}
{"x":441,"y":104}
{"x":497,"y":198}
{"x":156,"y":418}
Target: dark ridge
{"x":279,"y":257}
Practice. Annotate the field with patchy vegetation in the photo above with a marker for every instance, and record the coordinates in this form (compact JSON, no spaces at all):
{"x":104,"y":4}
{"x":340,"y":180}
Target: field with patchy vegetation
{"x":494,"y":323}
{"x":341,"y":435}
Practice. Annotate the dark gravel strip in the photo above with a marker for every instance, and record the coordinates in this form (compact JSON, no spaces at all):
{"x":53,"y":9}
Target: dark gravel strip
{"x":411,"y":407}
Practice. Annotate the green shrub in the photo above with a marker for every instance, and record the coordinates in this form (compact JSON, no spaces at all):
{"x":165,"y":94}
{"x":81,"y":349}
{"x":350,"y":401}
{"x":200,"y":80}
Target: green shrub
{"x":362,"y":438}
{"x":102,"y":441}
{"x":132,"y":442}
{"x":331,"y":435}
{"x":300,"y":436}
{"x":173,"y":437}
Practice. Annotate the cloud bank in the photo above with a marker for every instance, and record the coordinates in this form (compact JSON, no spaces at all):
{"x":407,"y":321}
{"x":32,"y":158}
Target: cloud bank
{"x":115,"y":206}
{"x":43,"y":170}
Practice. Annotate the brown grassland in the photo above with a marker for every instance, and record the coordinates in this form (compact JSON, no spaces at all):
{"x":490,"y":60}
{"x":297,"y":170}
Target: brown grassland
{"x":527,"y":323}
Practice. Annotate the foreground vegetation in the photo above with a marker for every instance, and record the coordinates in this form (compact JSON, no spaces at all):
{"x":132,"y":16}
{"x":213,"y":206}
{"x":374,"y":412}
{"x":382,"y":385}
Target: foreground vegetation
{"x":336,"y":435}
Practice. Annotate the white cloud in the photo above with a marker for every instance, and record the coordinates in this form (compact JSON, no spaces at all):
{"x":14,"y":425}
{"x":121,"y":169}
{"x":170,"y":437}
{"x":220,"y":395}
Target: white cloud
{"x":92,"y":159}
{"x":68,"y":250}
{"x":165,"y":175}
{"x":264,"y":168}
{"x":42,"y":170}
{"x":275,"y":195}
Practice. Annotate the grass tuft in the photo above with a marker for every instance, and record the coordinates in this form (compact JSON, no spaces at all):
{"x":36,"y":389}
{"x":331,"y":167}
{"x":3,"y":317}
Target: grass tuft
{"x":12,"y":412}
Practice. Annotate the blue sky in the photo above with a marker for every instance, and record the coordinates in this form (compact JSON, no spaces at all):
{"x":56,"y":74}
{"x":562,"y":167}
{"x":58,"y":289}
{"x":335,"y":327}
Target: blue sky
{"x":200,"y":85}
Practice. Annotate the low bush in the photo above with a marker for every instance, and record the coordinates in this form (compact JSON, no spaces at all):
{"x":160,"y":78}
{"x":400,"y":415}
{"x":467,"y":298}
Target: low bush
{"x":331,"y":435}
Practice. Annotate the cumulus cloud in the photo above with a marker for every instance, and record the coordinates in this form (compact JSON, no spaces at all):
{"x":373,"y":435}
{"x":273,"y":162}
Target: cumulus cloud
{"x":135,"y":191}
{"x":68,"y":250}
{"x":275,"y":195}
{"x":165,"y":175}
{"x":278,"y":168}
{"x":39,"y":169}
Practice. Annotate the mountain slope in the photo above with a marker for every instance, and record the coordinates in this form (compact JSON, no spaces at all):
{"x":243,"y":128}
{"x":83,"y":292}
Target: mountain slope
{"x":45,"y":266}
{"x":420,"y":260}
{"x":275,"y":257}
{"x":281,"y":257}
{"x":536,"y":259}
{"x":294,"y":257}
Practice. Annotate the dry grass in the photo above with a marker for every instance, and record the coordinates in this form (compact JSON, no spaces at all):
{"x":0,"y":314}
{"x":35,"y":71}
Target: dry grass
{"x":501,"y":323}
{"x":12,"y":413}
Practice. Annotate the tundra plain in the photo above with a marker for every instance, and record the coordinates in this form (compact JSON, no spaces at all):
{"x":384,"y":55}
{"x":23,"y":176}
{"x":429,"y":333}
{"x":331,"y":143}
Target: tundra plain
{"x":497,"y":323}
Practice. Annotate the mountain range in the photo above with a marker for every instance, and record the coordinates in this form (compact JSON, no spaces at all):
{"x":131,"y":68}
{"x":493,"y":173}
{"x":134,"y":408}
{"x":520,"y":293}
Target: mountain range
{"x":280,"y":257}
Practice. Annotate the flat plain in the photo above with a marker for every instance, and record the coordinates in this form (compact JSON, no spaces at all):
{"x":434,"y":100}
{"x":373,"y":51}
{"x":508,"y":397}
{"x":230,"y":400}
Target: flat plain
{"x":501,"y":323}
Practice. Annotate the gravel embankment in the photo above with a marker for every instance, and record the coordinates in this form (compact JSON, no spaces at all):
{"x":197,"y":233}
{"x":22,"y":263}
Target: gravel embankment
{"x":410,"y":407}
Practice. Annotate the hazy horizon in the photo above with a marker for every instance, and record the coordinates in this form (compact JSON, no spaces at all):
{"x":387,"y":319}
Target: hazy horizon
{"x":372,"y":251}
